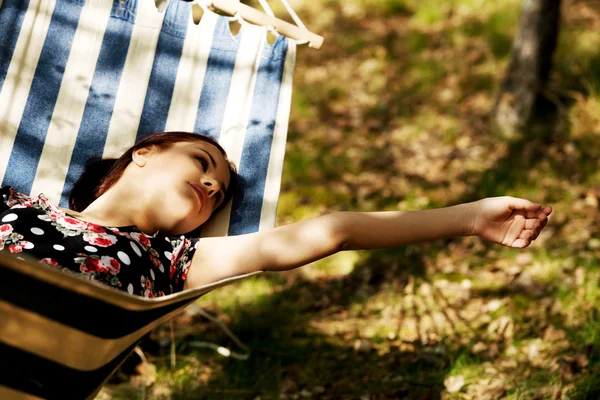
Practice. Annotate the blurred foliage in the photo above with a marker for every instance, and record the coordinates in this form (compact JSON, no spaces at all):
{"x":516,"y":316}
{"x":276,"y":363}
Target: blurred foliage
{"x":392,"y":113}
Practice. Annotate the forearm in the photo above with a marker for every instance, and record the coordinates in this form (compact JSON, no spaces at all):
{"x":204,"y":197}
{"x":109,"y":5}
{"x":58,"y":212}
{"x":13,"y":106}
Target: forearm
{"x":377,"y":230}
{"x":301,"y":243}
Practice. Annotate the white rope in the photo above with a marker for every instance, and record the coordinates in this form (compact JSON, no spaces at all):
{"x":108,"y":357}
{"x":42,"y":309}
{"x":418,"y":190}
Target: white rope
{"x":225,"y":352}
{"x":270,"y":12}
{"x":293,"y":14}
{"x":197,"y":310}
{"x":267,"y":8}
{"x":237,"y":18}
{"x":202,"y":3}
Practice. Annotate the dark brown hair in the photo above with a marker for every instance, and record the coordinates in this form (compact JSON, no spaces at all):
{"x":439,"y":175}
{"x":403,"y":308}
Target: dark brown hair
{"x":101,"y":175}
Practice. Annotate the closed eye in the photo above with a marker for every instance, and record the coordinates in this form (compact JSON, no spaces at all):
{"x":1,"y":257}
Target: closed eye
{"x":203,"y":162}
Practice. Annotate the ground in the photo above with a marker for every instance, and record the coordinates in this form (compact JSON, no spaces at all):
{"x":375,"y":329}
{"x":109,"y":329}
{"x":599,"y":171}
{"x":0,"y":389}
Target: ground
{"x":394,"y":113}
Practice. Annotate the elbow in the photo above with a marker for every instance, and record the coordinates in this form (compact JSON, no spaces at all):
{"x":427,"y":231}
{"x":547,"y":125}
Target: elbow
{"x":345,"y":245}
{"x":339,"y":232}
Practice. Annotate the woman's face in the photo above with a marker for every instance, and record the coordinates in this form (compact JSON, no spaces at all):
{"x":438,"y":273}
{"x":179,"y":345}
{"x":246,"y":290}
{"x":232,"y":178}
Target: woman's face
{"x":182,"y":183}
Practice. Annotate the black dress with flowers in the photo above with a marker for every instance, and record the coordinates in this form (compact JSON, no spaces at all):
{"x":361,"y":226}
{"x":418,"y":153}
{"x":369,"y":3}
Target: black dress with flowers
{"x":120,"y":257}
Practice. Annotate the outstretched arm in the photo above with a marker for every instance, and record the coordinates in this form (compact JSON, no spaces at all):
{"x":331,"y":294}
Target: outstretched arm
{"x":504,"y":220}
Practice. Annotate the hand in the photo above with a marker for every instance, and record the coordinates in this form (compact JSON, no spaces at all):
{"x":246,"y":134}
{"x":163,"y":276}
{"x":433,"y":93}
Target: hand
{"x":509,"y":221}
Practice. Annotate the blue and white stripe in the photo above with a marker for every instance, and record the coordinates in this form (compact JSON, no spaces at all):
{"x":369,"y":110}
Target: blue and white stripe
{"x":82,"y":79}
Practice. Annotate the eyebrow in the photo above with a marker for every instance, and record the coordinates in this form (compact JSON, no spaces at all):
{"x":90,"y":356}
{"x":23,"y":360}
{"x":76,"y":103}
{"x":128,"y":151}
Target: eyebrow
{"x":214,"y":165}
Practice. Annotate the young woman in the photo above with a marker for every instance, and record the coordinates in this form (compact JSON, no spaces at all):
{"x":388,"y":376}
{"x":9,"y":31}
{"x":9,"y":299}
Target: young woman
{"x":118,"y":229}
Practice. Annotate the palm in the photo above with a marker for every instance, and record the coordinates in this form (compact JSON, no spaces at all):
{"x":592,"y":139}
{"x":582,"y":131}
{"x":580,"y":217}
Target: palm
{"x":509,"y":221}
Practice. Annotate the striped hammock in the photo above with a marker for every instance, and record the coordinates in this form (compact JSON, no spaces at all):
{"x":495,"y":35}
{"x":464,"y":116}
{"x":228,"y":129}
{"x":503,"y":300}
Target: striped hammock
{"x":82,"y":79}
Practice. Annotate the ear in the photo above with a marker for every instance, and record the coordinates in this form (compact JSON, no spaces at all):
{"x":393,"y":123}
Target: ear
{"x":141,"y":156}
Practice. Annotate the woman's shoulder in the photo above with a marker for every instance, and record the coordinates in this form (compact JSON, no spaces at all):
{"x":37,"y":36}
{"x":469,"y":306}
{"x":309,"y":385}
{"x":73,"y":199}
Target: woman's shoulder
{"x":5,"y":190}
{"x":10,"y":197}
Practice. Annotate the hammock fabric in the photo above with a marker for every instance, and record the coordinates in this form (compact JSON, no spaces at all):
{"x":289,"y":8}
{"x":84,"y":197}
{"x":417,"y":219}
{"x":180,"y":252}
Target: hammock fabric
{"x":83,"y":79}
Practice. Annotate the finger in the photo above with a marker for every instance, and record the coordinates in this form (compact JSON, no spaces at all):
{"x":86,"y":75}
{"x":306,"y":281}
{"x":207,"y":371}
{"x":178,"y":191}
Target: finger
{"x":542,"y":223}
{"x":538,"y":229}
{"x":515,"y":203}
{"x":521,"y":243}
{"x":531,"y":223}
{"x":542,"y":213}
{"x":526,"y":234}
{"x":533,"y":214}
{"x":514,"y":230}
{"x":534,"y":224}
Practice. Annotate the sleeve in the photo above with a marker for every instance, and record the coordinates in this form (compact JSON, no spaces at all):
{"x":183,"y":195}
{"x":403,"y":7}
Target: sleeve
{"x":5,"y":193}
{"x":181,"y":260}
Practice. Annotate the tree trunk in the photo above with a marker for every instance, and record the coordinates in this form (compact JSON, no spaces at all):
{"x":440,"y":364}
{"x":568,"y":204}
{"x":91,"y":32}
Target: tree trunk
{"x":530,"y":64}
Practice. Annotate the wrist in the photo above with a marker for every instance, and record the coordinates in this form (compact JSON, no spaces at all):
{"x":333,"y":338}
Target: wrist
{"x":469,"y":213}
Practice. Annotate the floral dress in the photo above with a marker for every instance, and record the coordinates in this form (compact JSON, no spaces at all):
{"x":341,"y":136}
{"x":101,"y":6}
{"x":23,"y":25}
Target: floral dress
{"x":119,"y":257}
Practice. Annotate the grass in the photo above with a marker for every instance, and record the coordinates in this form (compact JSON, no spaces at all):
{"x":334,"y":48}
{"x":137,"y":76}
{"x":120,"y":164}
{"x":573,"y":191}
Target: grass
{"x":393,"y":114}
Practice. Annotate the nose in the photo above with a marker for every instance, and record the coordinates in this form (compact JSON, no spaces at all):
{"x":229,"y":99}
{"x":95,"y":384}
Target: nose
{"x":211,"y":185}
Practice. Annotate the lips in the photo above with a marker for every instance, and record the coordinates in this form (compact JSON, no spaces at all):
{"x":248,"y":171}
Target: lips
{"x":199,"y":193}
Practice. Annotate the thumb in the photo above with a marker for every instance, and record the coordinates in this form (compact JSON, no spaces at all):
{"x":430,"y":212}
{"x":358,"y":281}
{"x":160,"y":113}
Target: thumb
{"x":515,"y":203}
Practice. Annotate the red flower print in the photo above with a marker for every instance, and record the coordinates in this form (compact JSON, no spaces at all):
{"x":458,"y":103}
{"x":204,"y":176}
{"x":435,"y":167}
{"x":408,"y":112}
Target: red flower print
{"x":104,"y":264}
{"x":92,"y":264}
{"x":141,"y":238}
{"x":17,"y":198}
{"x":99,"y":239}
{"x":72,"y":223}
{"x":15,"y":248}
{"x":96,"y":228}
{"x":49,"y":261}
{"x":156,"y":262}
{"x":147,"y":287}
{"x":184,"y":272}
{"x":110,"y":264}
{"x":54,"y":215}
{"x":5,"y":230}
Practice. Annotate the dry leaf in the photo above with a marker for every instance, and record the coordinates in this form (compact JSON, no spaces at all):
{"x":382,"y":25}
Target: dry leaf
{"x":591,"y":198}
{"x":524,"y":258}
{"x":493,"y":391}
{"x":579,"y":276}
{"x":533,"y":351}
{"x":147,"y":374}
{"x":494,"y":304}
{"x":594,"y":243}
{"x":552,"y":334}
{"x":582,"y":360}
{"x":362,"y":345}
{"x":454,"y":383}
{"x":479,"y":347}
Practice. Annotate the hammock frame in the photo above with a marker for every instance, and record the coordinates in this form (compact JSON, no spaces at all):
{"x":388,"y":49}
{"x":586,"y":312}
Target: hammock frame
{"x":89,"y":329}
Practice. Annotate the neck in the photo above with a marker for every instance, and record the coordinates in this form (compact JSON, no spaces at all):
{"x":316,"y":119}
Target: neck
{"x":117,"y":207}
